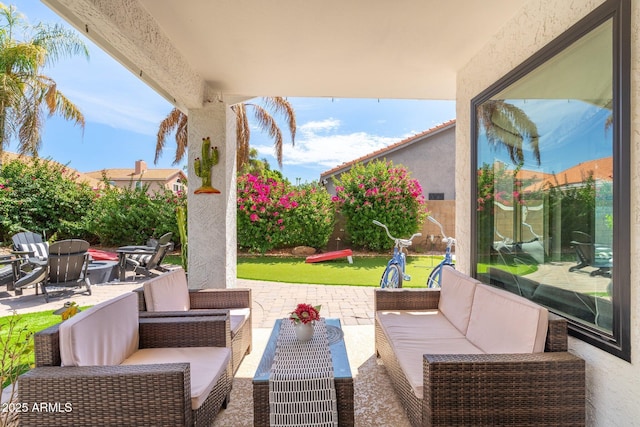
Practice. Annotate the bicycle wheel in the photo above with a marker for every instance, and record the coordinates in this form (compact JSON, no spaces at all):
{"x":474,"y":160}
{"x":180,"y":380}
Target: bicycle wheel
{"x":435,"y":277}
{"x":392,"y":277}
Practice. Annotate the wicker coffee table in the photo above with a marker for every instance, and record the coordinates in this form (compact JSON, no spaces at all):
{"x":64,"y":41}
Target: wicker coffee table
{"x":341,"y":371}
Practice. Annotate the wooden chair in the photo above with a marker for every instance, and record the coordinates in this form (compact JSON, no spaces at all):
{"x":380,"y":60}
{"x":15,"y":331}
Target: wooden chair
{"x":145,"y":261}
{"x":66,"y":268}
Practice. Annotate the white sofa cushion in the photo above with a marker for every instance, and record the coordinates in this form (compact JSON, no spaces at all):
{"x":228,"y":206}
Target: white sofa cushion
{"x":206,"y":364}
{"x":412,"y":334}
{"x":410,"y":354}
{"x":167,"y":292}
{"x":411,"y":325}
{"x":456,"y":297}
{"x":502,"y":322}
{"x":105,"y":334}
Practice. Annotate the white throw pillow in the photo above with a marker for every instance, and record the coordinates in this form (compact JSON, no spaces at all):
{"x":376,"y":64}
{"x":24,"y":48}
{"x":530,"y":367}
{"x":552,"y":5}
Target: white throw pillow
{"x":40,"y":250}
{"x":167,"y":292}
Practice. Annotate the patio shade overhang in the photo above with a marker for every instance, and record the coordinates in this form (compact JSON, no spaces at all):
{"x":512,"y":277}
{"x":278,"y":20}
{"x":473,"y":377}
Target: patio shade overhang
{"x":201,"y":50}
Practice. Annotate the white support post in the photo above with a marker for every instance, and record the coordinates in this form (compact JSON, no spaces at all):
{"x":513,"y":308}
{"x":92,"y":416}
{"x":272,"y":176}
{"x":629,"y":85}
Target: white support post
{"x":212,"y":217}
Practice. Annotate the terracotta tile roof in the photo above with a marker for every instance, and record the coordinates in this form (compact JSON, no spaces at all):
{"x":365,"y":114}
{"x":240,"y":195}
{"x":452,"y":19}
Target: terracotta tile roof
{"x":601,"y":169}
{"x":129,"y":174}
{"x":407,"y":141}
{"x":82,"y":177}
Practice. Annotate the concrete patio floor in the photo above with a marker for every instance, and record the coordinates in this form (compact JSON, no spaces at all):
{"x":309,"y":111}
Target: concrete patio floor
{"x":271,"y":300}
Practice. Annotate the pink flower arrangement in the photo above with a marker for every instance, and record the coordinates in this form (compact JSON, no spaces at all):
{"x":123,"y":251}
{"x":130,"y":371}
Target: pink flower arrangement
{"x":305,"y":313}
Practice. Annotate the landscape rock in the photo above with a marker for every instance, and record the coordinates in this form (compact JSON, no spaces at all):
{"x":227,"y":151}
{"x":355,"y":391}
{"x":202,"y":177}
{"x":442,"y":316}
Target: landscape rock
{"x":303,"y":251}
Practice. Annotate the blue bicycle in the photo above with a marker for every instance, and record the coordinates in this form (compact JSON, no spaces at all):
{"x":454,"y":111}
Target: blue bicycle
{"x":395,"y":272}
{"x":435,"y":278}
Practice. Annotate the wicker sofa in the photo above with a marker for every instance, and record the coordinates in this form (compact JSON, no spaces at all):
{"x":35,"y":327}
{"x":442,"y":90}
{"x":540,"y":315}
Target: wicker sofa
{"x":105,"y":366}
{"x":168,"y":295}
{"x":471,"y":354}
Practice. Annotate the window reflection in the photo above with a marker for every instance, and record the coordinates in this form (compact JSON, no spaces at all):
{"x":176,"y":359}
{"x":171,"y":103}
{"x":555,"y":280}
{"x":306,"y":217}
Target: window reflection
{"x":544,"y":216}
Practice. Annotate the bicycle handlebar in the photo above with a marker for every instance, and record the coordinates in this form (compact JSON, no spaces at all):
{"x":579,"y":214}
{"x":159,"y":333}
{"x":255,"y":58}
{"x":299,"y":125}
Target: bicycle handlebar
{"x":447,"y":240}
{"x":398,"y":241}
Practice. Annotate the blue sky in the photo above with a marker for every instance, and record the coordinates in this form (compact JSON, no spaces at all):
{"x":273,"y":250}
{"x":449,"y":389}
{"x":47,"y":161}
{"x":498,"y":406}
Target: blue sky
{"x":122,"y":116}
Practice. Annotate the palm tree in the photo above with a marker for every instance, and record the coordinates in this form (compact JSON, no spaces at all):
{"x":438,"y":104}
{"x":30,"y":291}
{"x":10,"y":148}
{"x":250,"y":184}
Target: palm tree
{"x":25,"y":93}
{"x":508,"y":126}
{"x":177,"y":121}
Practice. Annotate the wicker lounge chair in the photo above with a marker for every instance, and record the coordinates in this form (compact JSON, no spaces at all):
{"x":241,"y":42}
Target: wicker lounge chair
{"x":129,"y":392}
{"x":200,"y":302}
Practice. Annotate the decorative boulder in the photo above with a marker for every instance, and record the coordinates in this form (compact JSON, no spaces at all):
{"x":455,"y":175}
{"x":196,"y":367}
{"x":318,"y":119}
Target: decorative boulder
{"x":303,"y":251}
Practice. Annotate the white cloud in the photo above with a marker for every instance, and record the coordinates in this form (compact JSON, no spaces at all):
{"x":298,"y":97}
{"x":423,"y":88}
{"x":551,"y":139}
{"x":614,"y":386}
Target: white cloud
{"x":313,"y":127}
{"x":322,"y":144}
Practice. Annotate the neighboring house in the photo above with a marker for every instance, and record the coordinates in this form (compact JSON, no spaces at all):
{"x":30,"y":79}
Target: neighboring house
{"x":7,"y":156}
{"x":157,"y":179}
{"x":430,"y":157}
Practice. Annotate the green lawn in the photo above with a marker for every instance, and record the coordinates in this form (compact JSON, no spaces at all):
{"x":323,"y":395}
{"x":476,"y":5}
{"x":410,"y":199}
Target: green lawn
{"x":365,"y":271}
{"x":14,"y":331}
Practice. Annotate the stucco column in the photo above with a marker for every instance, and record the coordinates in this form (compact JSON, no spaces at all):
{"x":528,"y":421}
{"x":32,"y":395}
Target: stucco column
{"x":212,"y":217}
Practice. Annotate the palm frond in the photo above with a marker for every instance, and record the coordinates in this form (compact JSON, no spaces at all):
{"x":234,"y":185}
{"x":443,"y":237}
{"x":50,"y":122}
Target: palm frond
{"x":29,"y":138}
{"x":22,"y":59}
{"x":282,"y":106}
{"x":58,"y":42}
{"x":182,"y":138}
{"x":167,"y":126}
{"x":243,"y":134}
{"x":509,"y":126}
{"x":268,"y":124}
{"x":63,"y":106}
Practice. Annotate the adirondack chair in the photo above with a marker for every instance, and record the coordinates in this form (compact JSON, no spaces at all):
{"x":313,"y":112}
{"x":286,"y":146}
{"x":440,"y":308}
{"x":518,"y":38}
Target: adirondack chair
{"x":29,"y":251}
{"x":144,"y":260}
{"x":66,"y":268}
{"x":30,"y":246}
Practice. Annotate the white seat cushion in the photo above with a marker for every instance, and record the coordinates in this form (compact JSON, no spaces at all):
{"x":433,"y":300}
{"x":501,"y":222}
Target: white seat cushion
{"x":237,"y":318}
{"x":167,"y":292}
{"x":105,"y":334}
{"x":502,"y":322}
{"x":406,"y":324}
{"x":206,"y":364}
{"x":456,"y":297}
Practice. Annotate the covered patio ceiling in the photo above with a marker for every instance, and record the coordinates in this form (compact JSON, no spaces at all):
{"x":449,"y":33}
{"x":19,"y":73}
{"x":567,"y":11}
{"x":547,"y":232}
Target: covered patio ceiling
{"x":198,"y":51}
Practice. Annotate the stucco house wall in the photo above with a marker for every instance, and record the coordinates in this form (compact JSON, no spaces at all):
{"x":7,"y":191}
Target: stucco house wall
{"x":613,"y":389}
{"x":429,"y":156}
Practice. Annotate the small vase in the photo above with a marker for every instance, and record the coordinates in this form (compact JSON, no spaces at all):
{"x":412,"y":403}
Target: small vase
{"x":304,"y":331}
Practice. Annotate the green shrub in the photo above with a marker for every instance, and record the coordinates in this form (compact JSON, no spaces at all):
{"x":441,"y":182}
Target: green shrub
{"x":130,"y":216}
{"x":379,"y":191}
{"x":42,"y":196}
{"x":274,"y":214}
{"x":311,"y":222}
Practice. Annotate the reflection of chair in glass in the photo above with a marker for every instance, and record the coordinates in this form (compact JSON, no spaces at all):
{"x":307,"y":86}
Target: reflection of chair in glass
{"x":530,"y":252}
{"x":66,"y":267}
{"x":591,"y":255}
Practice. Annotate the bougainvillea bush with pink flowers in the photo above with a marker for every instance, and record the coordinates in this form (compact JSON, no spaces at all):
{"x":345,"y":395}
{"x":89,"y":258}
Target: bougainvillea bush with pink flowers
{"x":274,"y":214}
{"x":379,"y":190}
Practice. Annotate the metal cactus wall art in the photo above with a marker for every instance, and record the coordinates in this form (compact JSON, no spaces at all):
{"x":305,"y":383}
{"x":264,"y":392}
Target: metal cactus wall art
{"x":203,"y":166}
